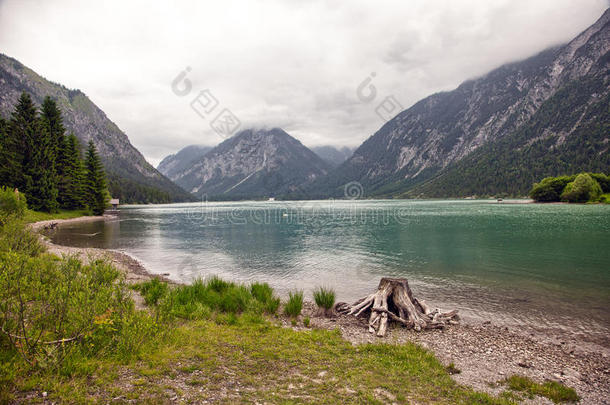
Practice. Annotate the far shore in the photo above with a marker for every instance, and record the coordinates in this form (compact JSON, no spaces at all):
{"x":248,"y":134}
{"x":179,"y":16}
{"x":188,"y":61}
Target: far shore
{"x":485,"y":353}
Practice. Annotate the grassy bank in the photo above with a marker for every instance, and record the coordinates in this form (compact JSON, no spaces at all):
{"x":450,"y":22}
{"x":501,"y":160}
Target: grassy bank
{"x":35,"y":216}
{"x":72,"y":334}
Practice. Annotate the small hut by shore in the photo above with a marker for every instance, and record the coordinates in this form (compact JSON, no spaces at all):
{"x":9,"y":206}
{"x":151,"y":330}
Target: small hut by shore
{"x":114,"y":203}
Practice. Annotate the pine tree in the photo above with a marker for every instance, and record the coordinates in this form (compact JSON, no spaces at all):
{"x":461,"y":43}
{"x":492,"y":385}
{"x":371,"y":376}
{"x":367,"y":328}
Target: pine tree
{"x":71,"y":179}
{"x":41,"y":189}
{"x":22,"y":128}
{"x":56,"y":131}
{"x":95,"y":181}
{"x":8,"y":161}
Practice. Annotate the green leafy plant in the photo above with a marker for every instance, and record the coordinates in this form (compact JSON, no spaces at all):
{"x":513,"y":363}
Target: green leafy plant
{"x":12,"y":204}
{"x":67,"y":303}
{"x":16,"y":237}
{"x":582,"y":189}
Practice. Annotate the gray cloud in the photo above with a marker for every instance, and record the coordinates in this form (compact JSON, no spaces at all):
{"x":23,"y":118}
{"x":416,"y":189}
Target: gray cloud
{"x":274,"y":63}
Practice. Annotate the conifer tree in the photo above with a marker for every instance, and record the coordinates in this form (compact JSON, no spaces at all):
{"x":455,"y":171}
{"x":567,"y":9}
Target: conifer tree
{"x":95,"y":181}
{"x":41,"y":188}
{"x":8,"y":162}
{"x":56,"y":131}
{"x":70,"y":181}
{"x":22,"y":128}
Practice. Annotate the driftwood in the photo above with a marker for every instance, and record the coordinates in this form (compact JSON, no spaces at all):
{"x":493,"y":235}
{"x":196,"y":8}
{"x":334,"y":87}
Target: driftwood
{"x":394,"y":301}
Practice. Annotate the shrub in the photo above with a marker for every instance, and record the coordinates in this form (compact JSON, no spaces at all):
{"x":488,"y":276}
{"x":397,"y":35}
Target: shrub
{"x":550,"y":188}
{"x":16,"y":237}
{"x":12,"y":204}
{"x":324,"y":297}
{"x":603,"y":180}
{"x":295,"y":303}
{"x":582,"y":189}
{"x":67,"y":303}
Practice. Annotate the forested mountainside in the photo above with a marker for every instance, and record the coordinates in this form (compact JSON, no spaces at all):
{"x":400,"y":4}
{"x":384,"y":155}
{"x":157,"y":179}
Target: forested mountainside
{"x":539,"y":117}
{"x":130,"y":177}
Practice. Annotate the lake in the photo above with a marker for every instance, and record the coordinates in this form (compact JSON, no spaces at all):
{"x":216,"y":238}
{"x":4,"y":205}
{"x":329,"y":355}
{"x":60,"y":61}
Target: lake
{"x":534,"y":267}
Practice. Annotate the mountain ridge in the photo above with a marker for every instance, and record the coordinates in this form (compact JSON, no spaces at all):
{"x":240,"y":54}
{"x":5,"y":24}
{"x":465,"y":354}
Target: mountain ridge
{"x":128,"y":171}
{"x":254,"y":163}
{"x":444,"y":128}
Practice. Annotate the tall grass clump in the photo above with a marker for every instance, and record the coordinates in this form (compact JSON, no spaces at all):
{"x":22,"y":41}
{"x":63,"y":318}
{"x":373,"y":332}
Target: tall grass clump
{"x":152,"y":291}
{"x":203,"y":297}
{"x":294,"y":306}
{"x":263,"y":293}
{"x":325,"y":299}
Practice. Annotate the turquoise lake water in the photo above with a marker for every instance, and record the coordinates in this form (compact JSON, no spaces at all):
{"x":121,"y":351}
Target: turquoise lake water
{"x":542,"y":267}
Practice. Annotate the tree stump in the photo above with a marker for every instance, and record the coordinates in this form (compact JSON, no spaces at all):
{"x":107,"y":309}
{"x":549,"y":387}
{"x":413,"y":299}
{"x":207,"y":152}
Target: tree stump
{"x":394,"y":301}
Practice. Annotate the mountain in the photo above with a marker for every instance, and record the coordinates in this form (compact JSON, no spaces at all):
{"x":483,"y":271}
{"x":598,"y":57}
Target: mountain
{"x":333,"y":156}
{"x":253,"y":164}
{"x":174,"y":164}
{"x":498,"y":133}
{"x":131,"y":178}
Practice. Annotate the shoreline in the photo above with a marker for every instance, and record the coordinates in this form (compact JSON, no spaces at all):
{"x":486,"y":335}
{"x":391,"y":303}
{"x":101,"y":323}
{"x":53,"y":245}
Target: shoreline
{"x":485,"y":353}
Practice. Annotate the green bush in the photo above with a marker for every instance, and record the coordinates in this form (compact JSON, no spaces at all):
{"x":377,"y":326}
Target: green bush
{"x":69,"y":305}
{"x":11,"y":204}
{"x":582,"y":189}
{"x":324,"y":297}
{"x":295,"y":303}
{"x":550,"y":188}
{"x":603,"y":180}
{"x":15,"y":236}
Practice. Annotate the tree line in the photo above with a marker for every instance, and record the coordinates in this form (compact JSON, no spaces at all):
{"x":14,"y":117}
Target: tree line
{"x":580,"y":188}
{"x":39,"y":159}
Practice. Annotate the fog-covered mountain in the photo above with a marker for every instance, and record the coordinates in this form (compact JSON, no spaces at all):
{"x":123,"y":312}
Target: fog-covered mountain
{"x":546,"y":115}
{"x":255,"y":163}
{"x":333,"y":155}
{"x":172,"y":165}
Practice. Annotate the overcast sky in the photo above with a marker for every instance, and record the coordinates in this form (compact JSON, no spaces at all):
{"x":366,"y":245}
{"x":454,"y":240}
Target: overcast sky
{"x":288,"y":63}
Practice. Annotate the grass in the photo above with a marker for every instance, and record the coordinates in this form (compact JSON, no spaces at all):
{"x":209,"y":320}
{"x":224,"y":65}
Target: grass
{"x":260,"y":362}
{"x":35,"y":216}
{"x":552,"y":390}
{"x":294,"y":306}
{"x":324,"y":297}
{"x":152,"y":291}
{"x":202,"y":298}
